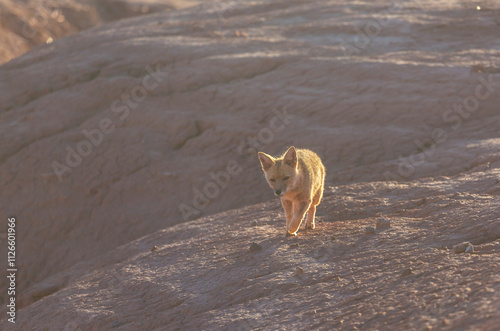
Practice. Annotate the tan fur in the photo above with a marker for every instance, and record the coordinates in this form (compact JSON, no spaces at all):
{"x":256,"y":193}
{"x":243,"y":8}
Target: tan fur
{"x":299,"y":180}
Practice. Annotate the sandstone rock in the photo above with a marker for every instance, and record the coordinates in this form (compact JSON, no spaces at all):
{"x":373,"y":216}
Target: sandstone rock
{"x":462,"y":247}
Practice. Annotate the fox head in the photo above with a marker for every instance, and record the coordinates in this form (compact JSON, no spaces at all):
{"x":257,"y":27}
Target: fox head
{"x":281,"y":172}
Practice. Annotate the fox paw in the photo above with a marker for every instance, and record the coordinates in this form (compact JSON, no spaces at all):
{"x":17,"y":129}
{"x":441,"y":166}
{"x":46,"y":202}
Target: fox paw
{"x":288,"y":234}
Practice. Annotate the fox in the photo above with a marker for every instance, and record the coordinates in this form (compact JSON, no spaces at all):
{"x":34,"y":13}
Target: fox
{"x":298,"y":178}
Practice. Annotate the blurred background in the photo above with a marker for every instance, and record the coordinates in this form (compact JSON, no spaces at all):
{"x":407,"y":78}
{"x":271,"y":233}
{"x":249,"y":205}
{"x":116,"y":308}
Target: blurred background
{"x":29,"y":23}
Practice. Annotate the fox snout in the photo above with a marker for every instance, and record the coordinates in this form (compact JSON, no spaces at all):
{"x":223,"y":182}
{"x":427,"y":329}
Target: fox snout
{"x":279,"y":187}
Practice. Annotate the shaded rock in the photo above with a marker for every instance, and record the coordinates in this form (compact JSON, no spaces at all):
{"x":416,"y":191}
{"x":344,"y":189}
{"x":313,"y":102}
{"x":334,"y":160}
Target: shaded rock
{"x":254,"y":247}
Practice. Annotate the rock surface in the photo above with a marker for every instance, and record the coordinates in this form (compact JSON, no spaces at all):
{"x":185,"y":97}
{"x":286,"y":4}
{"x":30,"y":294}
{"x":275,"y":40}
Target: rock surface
{"x":202,"y":275}
{"x":168,"y":110}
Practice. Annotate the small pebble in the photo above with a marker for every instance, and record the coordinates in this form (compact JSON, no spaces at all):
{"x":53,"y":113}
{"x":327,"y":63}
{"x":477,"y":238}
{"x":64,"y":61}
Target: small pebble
{"x":254,"y":247}
{"x":407,"y":272}
{"x":294,"y":245}
{"x":254,"y":223}
{"x":460,"y":248}
{"x":299,"y":271}
{"x":469,"y":249}
{"x":383,"y":223}
{"x":370,"y":230}
{"x":154,"y":248}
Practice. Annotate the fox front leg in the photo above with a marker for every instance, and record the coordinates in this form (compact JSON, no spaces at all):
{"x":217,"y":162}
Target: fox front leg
{"x":297,"y":218}
{"x":288,"y":208}
{"x":310,"y":217}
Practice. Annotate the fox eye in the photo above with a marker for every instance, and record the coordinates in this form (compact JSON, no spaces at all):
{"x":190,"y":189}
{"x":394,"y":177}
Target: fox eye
{"x":273,"y":180}
{"x":286,"y":178}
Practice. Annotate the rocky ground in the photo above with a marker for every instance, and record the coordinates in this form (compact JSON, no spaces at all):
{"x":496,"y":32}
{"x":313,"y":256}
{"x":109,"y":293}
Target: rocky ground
{"x":115,"y":138}
{"x":202,"y":275}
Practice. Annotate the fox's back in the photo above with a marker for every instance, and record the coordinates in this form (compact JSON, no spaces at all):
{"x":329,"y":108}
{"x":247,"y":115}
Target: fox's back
{"x":311,"y":167}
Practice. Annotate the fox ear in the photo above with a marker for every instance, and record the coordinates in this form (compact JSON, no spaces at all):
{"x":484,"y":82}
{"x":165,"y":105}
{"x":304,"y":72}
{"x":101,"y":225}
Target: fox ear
{"x":267,"y":161}
{"x":291,"y":157}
